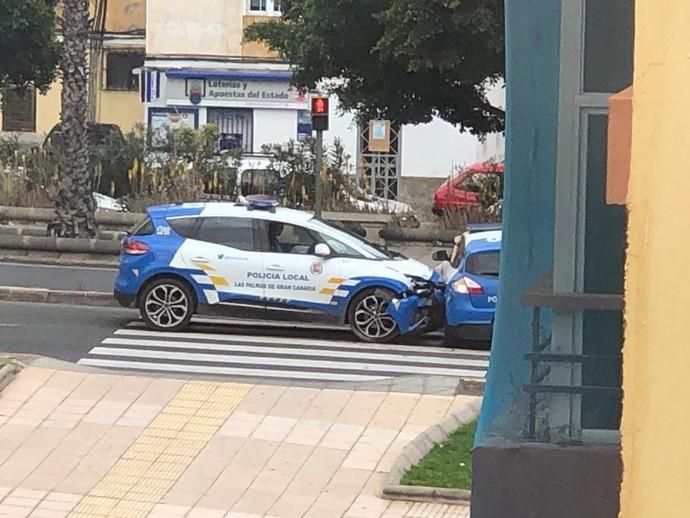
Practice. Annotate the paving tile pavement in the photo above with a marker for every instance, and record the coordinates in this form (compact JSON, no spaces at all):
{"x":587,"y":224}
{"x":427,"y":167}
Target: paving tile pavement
{"x":83,"y":445}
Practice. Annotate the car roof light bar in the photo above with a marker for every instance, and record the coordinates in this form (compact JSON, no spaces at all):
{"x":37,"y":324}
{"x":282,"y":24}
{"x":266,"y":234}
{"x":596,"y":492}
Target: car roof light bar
{"x":262,"y":202}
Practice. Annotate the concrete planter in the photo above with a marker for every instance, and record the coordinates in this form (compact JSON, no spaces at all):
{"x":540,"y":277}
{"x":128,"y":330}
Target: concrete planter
{"x":417,"y":450}
{"x":7,"y":374}
{"x":52,"y":244}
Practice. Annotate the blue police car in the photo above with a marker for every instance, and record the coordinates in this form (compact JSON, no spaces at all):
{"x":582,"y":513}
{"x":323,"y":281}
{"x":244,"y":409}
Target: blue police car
{"x":472,"y":292}
{"x":258,"y":260}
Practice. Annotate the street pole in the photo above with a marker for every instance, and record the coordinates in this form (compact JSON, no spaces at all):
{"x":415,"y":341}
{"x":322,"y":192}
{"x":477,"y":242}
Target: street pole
{"x":318,"y":180}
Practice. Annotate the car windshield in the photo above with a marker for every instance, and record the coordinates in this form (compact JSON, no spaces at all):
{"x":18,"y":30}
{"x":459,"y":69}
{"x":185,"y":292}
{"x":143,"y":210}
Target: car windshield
{"x":352,"y":239}
{"x":259,"y":181}
{"x":484,"y":264}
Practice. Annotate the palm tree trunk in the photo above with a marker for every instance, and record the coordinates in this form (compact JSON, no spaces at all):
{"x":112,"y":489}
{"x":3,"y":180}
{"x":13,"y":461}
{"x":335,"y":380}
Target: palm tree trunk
{"x":74,"y":203}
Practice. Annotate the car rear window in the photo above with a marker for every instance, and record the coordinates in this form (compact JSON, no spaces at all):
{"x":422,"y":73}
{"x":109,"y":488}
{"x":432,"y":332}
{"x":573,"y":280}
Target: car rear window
{"x":484,"y":264}
{"x":185,"y":227}
{"x":145,"y":228}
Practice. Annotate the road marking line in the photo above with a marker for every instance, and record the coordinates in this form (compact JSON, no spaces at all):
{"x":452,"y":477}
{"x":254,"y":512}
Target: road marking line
{"x":285,"y":362}
{"x":302,"y":341}
{"x":296,"y":351}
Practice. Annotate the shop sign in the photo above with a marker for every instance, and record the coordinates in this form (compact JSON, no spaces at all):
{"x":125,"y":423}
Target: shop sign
{"x":220,"y":91}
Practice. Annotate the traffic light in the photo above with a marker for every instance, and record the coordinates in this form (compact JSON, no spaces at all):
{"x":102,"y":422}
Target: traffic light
{"x":319,"y":113}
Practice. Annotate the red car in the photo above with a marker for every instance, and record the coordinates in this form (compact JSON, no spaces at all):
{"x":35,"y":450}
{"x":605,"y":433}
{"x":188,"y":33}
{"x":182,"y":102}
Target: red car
{"x":459,"y":192}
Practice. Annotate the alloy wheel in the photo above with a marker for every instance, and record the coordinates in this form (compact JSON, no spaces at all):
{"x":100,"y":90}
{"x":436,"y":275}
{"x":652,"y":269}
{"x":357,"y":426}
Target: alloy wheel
{"x":166,"y":305}
{"x":372,"y":319}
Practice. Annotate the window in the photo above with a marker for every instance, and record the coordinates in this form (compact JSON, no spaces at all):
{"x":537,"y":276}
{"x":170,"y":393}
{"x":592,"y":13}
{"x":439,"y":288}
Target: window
{"x":231,"y":232}
{"x":265,"y":7}
{"x":185,"y":227}
{"x":236,"y":127}
{"x":338,"y":247}
{"x":145,"y":228}
{"x":349,"y":239}
{"x":484,"y":264}
{"x":119,"y":70}
{"x":474,"y":182}
{"x":608,"y":59}
{"x":259,"y":181}
{"x":284,"y":238}
{"x":596,"y":56}
{"x":19,"y":110}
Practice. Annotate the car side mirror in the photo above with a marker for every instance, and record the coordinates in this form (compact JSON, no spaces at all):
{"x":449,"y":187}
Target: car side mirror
{"x":440,"y":256}
{"x":322,"y":250}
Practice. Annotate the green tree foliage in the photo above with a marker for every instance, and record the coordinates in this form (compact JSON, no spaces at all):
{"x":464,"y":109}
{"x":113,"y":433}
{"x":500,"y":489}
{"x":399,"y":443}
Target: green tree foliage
{"x":405,"y":60}
{"x":29,"y":51}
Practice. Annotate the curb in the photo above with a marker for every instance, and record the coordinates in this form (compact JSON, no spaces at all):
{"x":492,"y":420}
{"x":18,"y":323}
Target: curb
{"x":83,"y":298}
{"x":417,"y":449}
{"x":59,"y":260}
{"x":7,"y":374}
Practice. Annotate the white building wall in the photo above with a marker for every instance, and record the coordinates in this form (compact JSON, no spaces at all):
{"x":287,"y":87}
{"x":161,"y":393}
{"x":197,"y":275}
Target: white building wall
{"x":428,"y":150}
{"x":180,"y":27}
{"x":435,"y":149}
{"x":274,"y":127}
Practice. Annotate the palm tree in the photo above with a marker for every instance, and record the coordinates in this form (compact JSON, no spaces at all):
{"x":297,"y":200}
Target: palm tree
{"x":74,"y":202}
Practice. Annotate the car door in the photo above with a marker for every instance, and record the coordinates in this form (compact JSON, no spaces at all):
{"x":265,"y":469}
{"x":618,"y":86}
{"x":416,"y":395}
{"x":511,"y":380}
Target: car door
{"x":297,"y":279}
{"x":227,"y":255}
{"x":465,"y":191}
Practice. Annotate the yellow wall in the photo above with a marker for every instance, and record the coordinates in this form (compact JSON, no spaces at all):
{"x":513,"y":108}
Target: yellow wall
{"x":180,"y":27}
{"x":48,"y":109}
{"x":125,"y":15}
{"x":253,"y":49}
{"x":122,"y":108}
{"x":656,"y":416}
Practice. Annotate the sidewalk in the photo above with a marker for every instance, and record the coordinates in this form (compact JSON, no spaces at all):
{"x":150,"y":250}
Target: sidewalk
{"x":92,"y":445}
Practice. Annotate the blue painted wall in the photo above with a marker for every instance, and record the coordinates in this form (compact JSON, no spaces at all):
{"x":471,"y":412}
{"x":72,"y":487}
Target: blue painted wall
{"x":532,"y":54}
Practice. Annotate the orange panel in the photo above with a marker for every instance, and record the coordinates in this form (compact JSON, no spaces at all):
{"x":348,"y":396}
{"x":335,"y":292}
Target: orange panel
{"x":619,"y":144}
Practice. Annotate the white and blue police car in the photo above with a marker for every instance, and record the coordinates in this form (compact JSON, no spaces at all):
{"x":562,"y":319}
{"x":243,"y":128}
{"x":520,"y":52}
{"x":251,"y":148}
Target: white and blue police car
{"x":258,"y":260}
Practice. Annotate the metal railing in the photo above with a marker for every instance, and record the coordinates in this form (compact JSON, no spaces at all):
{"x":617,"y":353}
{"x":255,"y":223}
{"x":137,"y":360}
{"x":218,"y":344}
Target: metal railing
{"x":541,"y":358}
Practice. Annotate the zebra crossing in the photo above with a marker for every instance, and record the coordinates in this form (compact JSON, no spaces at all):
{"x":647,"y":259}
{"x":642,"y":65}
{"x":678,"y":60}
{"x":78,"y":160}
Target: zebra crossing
{"x":135,"y":348}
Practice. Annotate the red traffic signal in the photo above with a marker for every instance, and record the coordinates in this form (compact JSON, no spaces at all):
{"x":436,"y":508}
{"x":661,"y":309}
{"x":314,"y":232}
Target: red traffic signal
{"x":319,"y":106}
{"x":319,"y":113}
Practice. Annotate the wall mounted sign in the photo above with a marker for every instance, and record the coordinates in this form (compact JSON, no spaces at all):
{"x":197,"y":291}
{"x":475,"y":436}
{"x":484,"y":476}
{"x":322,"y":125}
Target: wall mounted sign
{"x":163,"y":120}
{"x":304,"y":129}
{"x":380,"y":136}
{"x":234,"y":92}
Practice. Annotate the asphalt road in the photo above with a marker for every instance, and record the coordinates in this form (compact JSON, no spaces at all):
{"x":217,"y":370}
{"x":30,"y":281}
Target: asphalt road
{"x":272,"y":352}
{"x":56,"y":331}
{"x":57,"y":277}
{"x":67,"y":332}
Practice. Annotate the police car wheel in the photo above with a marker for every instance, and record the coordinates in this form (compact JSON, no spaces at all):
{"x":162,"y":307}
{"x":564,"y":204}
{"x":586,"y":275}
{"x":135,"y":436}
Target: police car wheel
{"x":166,"y":305}
{"x":368,"y":316}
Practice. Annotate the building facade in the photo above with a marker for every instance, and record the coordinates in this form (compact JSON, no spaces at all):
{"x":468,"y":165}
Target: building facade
{"x":163,"y":64}
{"x":114,"y":87}
{"x":199,"y":70}
{"x":548,"y":441}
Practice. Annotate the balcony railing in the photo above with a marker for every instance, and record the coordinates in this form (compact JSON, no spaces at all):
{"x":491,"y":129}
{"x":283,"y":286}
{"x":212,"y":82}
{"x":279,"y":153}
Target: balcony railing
{"x":542,"y":297}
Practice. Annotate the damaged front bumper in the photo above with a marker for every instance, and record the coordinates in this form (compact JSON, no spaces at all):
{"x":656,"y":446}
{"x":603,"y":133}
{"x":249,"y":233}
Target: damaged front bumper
{"x":419,"y":311}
